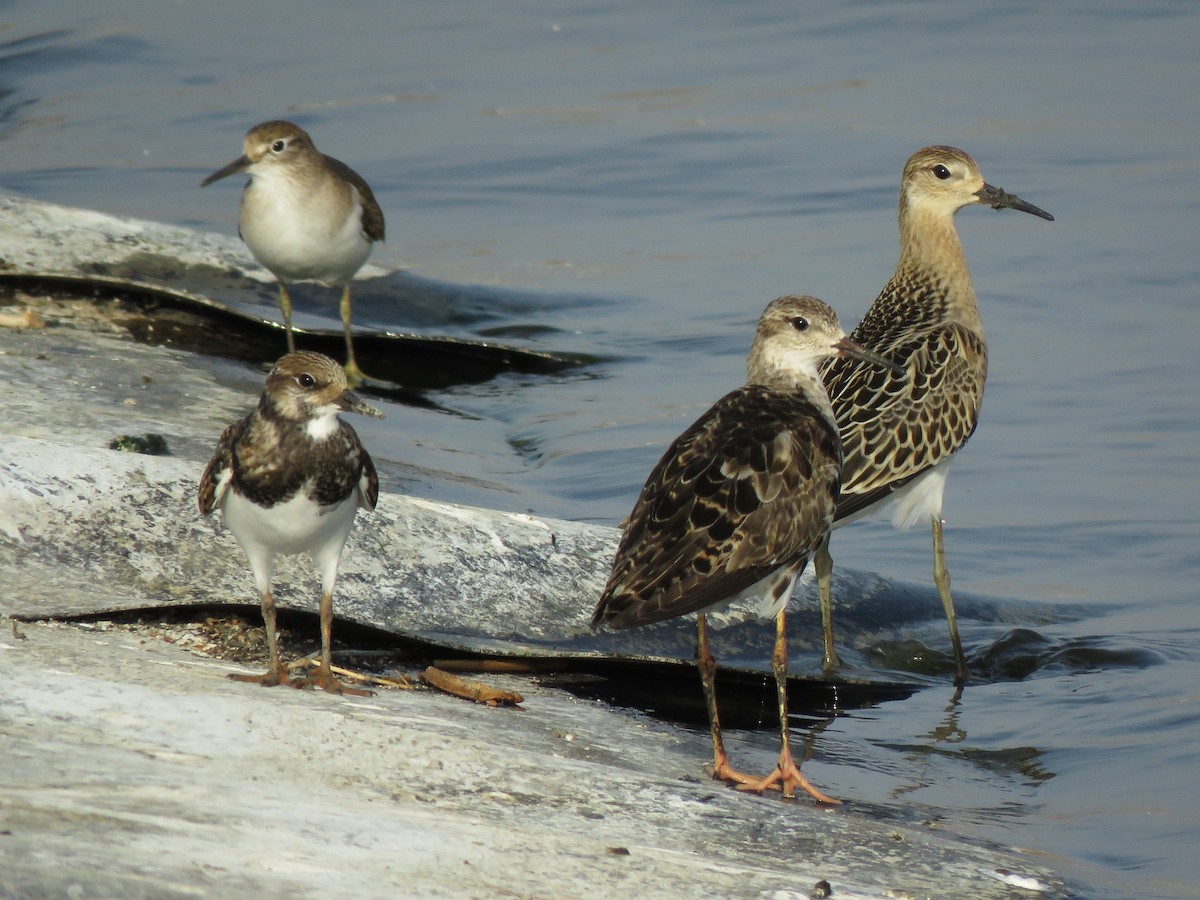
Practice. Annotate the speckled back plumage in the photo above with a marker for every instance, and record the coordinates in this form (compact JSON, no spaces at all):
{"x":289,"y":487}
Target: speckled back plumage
{"x":748,"y":489}
{"x":894,"y":427}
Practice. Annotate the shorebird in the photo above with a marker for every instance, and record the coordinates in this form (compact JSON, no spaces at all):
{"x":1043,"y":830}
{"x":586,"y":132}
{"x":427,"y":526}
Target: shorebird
{"x":737,"y":505}
{"x":900,"y":432}
{"x":289,"y":478}
{"x":305,"y":216}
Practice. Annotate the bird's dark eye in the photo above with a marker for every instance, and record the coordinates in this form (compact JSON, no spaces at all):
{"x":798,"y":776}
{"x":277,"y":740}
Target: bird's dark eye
{"x":799,"y":323}
{"x":305,"y":380}
{"x":941,"y":172}
{"x":278,"y":145}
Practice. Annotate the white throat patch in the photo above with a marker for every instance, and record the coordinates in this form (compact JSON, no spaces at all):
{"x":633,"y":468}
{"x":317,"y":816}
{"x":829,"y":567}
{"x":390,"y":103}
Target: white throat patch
{"x":324,"y":426}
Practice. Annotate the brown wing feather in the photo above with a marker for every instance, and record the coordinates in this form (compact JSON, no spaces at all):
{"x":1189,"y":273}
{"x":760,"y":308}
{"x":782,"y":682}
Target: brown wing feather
{"x":895,"y":427}
{"x":749,"y":487}
{"x":368,"y":482}
{"x":220,"y":463}
{"x":372,"y":215}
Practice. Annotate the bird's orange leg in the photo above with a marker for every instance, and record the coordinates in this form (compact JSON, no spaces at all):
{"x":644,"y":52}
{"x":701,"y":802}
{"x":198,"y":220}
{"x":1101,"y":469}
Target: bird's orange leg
{"x":277,"y":672}
{"x":721,"y":770}
{"x":323,"y":676}
{"x":787,"y":776}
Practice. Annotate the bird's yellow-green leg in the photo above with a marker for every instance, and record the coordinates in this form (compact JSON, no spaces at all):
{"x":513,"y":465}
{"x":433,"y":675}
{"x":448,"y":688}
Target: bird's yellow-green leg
{"x":285,"y":306}
{"x":941,"y":578}
{"x":354,"y":375}
{"x":823,"y":564}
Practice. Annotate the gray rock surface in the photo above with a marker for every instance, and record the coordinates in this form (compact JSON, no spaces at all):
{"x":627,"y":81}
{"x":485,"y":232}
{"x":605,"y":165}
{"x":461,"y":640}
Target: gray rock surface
{"x":136,"y":770}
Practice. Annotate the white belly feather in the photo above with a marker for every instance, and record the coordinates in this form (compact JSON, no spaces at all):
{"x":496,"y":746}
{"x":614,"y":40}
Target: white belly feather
{"x":296,"y":245}
{"x":295,"y":526}
{"x":917,"y":502}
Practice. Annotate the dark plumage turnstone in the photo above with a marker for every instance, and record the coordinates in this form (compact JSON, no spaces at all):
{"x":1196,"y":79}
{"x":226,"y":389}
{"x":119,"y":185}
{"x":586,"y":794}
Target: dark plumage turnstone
{"x":288,"y":478}
{"x":305,"y":216}
{"x":738,"y":504}
{"x":900,"y":432}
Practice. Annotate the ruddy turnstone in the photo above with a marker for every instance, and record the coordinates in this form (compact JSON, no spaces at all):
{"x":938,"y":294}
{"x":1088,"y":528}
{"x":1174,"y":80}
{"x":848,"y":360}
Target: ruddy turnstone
{"x":738,"y":504}
{"x":900,"y":432}
{"x":305,"y":216}
{"x":289,"y":478}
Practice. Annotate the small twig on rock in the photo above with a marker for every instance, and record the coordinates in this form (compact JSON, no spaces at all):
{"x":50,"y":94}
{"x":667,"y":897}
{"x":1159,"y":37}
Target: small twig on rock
{"x":403,"y":682}
{"x":27,"y":318}
{"x":470,"y":690}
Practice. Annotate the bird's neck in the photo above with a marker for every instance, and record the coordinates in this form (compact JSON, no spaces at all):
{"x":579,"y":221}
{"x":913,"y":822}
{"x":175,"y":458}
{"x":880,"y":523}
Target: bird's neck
{"x":300,"y":180}
{"x":784,"y":372}
{"x":281,"y":421}
{"x":932,"y":262}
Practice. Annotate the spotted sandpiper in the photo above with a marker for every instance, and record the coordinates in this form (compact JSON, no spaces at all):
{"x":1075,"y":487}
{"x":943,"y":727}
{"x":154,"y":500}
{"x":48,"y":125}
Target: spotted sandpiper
{"x":738,"y":504}
{"x":289,"y":478}
{"x":305,"y":216}
{"x":900,"y":432}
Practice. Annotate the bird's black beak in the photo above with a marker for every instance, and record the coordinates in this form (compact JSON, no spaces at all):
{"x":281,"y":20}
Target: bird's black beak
{"x":847,"y":347}
{"x":238,"y":165}
{"x":998,"y":198}
{"x":351,"y":402}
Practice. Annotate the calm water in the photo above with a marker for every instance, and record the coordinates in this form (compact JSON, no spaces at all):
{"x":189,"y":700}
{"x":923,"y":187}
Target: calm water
{"x":641,"y":179}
